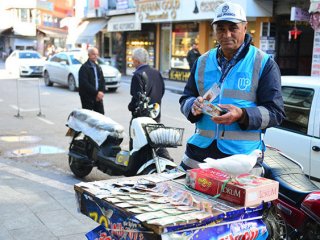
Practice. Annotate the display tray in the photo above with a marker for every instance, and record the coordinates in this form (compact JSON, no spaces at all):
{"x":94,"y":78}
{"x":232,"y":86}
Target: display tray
{"x":158,"y":207}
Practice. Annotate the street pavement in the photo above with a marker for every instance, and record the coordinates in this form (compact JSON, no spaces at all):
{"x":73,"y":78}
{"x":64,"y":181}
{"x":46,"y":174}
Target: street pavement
{"x":36,"y":203}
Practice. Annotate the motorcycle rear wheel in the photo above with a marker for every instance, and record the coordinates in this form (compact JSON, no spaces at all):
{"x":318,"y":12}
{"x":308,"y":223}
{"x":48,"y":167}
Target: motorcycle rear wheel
{"x":276,"y":226}
{"x":79,"y":170}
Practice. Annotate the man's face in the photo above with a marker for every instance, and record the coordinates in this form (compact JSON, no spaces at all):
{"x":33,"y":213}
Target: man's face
{"x":93,"y":55}
{"x":230,"y":35}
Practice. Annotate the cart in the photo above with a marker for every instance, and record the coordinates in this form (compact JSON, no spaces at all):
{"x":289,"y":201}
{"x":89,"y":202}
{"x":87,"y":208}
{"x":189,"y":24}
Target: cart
{"x":116,"y":203}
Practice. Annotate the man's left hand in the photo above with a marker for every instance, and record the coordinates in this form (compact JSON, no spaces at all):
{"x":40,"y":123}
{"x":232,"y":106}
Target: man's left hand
{"x":234,"y":114}
{"x":99,"y":96}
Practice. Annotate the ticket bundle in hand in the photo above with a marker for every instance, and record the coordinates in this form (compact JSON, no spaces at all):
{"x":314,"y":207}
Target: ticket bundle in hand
{"x":211,"y":109}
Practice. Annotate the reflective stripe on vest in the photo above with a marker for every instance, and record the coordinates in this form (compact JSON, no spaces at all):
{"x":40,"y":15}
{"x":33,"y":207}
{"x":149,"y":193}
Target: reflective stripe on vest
{"x":231,"y":135}
{"x":201,"y":73}
{"x":190,"y":162}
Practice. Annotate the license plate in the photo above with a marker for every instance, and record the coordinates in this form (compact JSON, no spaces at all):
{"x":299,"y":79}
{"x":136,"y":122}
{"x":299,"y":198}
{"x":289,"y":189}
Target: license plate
{"x":110,"y":79}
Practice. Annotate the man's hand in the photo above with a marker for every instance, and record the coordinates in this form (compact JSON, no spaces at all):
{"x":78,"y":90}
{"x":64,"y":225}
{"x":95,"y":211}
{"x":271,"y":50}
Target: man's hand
{"x":99,"y":96}
{"x":234,"y":114}
{"x":197,"y":106}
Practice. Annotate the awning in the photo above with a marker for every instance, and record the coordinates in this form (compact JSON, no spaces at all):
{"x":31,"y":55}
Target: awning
{"x":123,"y":23}
{"x":6,"y":30}
{"x":86,"y":31}
{"x":53,"y":33}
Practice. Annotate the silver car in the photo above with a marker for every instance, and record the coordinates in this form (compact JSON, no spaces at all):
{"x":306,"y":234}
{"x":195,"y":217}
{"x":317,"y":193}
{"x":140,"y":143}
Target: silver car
{"x":63,"y":68}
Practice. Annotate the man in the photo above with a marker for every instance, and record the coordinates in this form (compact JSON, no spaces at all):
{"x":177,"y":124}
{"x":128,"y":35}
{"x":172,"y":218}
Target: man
{"x":239,"y":78}
{"x":193,"y":54}
{"x":145,"y":79}
{"x":149,"y":80}
{"x":91,"y":83}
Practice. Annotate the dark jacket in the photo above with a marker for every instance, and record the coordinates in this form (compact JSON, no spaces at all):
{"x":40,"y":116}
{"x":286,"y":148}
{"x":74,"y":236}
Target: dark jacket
{"x":154,"y":86}
{"x":192,"y":56}
{"x":87,"y":82}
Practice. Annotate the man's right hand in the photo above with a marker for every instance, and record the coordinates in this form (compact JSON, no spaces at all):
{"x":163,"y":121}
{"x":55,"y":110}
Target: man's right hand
{"x":99,"y":96}
{"x":197,"y":106}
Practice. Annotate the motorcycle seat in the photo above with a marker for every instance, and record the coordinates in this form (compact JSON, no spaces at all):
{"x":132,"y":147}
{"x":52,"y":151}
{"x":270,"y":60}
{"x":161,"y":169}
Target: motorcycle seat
{"x":294,"y":185}
{"x":95,"y":125}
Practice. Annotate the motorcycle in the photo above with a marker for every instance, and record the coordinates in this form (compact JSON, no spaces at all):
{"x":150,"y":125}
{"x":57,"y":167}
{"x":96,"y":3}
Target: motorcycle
{"x":96,"y":142}
{"x":296,"y":212}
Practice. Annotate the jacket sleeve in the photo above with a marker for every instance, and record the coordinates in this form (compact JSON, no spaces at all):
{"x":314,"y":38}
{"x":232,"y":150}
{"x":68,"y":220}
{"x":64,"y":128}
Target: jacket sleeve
{"x":84,"y":85}
{"x":270,"y":109}
{"x":136,"y":86}
{"x":102,"y":83}
{"x":190,"y":93}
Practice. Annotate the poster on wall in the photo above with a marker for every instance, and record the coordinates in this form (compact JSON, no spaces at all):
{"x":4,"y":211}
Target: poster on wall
{"x":315,"y":66}
{"x":268,"y":45}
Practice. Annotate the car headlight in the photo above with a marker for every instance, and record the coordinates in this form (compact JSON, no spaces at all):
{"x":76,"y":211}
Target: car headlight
{"x":24,"y":67}
{"x":119,"y":75}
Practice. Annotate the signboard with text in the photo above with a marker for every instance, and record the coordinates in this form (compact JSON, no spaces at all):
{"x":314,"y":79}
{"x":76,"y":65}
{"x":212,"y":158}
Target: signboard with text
{"x":178,"y":10}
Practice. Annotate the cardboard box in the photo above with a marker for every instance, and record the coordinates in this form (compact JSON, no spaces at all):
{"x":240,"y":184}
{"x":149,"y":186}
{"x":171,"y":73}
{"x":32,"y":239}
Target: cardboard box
{"x":250,"y":191}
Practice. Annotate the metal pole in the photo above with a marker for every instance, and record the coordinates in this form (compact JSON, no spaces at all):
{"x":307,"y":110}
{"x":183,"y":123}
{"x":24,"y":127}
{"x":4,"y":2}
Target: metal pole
{"x":39,"y":100}
{"x":18,"y":103}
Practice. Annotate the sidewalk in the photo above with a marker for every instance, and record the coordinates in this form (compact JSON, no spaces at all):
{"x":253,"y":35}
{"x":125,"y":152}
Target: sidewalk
{"x":173,"y":86}
{"x":36,"y":204}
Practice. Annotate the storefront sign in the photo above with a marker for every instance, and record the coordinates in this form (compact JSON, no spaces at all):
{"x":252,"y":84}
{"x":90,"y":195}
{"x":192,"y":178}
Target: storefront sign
{"x":315,"y":67}
{"x":123,"y":23}
{"x":177,"y":10}
{"x":298,"y":14}
{"x":148,"y":11}
{"x":179,"y":74}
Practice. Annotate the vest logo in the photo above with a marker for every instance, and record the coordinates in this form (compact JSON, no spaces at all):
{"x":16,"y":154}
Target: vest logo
{"x":244,"y":83}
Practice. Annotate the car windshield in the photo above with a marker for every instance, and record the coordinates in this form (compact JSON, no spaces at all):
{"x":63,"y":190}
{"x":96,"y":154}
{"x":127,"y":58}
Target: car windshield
{"x":76,"y":59}
{"x":29,"y":55}
{"x":101,"y":61}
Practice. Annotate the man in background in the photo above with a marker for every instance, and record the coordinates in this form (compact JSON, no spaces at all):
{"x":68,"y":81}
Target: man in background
{"x":193,"y":54}
{"x":145,"y":79}
{"x":91,"y":83}
{"x":149,"y":80}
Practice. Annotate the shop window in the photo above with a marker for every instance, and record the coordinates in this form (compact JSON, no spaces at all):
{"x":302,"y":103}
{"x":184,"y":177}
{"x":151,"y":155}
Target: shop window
{"x":297,"y":106}
{"x":135,"y":40}
{"x":268,"y":29}
{"x":183,"y":34}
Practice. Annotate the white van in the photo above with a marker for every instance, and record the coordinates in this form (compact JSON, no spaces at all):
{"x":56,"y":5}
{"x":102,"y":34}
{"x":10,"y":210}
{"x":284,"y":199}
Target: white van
{"x":299,"y":134}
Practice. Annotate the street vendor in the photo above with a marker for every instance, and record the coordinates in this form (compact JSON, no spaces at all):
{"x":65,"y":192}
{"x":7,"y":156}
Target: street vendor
{"x":240,"y":79}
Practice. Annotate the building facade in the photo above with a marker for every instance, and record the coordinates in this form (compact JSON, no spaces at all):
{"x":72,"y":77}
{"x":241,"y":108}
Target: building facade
{"x":34,"y":24}
{"x":166,"y":28}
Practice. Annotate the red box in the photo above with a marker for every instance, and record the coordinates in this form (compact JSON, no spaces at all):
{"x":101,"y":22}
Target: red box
{"x":251,"y":190}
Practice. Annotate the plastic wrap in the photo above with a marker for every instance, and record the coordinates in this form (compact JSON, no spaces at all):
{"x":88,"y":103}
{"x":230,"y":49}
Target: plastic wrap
{"x":94,"y":125}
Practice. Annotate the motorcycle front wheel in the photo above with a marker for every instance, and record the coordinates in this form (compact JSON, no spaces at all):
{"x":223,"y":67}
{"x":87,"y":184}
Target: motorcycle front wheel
{"x":79,"y":170}
{"x":152,"y":169}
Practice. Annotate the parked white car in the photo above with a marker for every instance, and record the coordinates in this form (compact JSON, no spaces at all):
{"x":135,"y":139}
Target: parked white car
{"x":63,"y":68}
{"x":25,"y":63}
{"x":299,"y":134}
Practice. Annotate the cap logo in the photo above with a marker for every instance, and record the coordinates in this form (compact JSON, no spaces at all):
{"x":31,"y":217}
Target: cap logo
{"x":225,"y":12}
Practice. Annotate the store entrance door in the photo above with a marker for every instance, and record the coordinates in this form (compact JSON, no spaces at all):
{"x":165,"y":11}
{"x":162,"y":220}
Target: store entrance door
{"x":295,"y":55}
{"x":165,"y":50}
